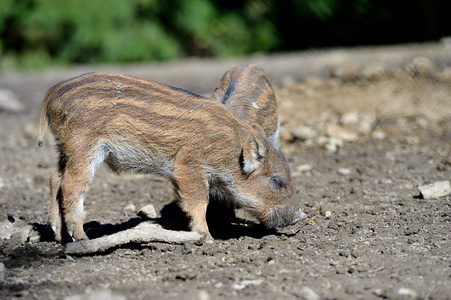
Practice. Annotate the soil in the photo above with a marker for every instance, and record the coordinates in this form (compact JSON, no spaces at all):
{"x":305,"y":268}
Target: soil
{"x":359,"y":141}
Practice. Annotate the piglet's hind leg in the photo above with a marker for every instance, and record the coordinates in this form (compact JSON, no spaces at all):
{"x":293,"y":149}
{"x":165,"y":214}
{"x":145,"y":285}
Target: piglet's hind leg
{"x":73,"y":186}
{"x":54,"y":221}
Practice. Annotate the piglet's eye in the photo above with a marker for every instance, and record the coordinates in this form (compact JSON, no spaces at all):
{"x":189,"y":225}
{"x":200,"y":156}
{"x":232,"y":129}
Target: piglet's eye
{"x":277,"y":183}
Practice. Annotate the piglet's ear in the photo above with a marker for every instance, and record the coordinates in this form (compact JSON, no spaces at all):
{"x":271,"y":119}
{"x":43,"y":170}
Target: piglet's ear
{"x":253,"y":155}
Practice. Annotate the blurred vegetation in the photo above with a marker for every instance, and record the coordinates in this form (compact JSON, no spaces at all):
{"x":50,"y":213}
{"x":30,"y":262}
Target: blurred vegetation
{"x":38,"y":33}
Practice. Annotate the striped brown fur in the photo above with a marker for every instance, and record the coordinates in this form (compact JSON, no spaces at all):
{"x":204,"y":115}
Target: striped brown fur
{"x":246,"y":91}
{"x":137,"y":125}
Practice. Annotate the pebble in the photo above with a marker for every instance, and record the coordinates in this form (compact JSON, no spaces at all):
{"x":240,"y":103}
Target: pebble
{"x":97,"y":295}
{"x":422,"y":66}
{"x":413,"y":229}
{"x":345,"y":252}
{"x":374,"y":71}
{"x":350,"y":118}
{"x":245,"y":283}
{"x":304,"y":168}
{"x":344,"y":171}
{"x":402,"y":291}
{"x":333,"y":144}
{"x":379,"y":135}
{"x":148,"y":211}
{"x":130,"y":207}
{"x":308,"y":294}
{"x":303,"y":132}
{"x":9,"y":102}
{"x":435,"y":190}
{"x":347,"y":72}
{"x":344,"y":133}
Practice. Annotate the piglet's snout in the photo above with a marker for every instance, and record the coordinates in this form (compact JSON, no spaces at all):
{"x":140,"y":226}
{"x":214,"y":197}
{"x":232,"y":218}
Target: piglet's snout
{"x":299,"y":216}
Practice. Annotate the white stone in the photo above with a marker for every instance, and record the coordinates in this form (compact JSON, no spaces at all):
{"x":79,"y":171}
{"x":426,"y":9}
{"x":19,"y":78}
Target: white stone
{"x":407,"y":292}
{"x":350,"y":118}
{"x":303,"y":132}
{"x":10,"y":102}
{"x":148,"y":211}
{"x":346,"y":134}
{"x":435,"y":190}
{"x":308,"y":294}
{"x":379,"y":135}
{"x":304,"y":168}
{"x":344,"y":171}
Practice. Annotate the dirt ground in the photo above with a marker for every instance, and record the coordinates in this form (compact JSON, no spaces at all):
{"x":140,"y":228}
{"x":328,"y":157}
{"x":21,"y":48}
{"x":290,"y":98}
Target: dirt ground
{"x":359,"y":142}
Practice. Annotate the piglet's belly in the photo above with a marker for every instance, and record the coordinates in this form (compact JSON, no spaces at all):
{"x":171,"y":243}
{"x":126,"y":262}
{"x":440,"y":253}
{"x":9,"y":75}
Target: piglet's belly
{"x":131,"y":159}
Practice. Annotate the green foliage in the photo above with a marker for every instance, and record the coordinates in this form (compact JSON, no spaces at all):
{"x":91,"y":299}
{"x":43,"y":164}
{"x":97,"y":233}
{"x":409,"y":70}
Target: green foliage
{"x":36,"y":33}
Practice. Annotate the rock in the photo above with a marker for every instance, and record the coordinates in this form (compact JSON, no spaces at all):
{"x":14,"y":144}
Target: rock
{"x":350,"y":119}
{"x":445,"y":75}
{"x":304,"y":168}
{"x":374,"y":71}
{"x":9,"y":102}
{"x":333,"y":144}
{"x":347,"y":72}
{"x":344,"y":133}
{"x":379,"y":135}
{"x":303,"y":132}
{"x":2,"y":183}
{"x":413,"y":229}
{"x":130,"y":207}
{"x":422,"y":66}
{"x":366,"y":124}
{"x":402,"y":291}
{"x":13,"y":227}
{"x":307,"y":293}
{"x":344,"y":171}
{"x":245,"y":283}
{"x":435,"y":190}
{"x":97,"y":295}
{"x":345,"y":252}
{"x":148,"y":211}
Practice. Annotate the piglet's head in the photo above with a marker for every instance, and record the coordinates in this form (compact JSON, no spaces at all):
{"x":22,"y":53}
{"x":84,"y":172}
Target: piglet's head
{"x":267,"y":189}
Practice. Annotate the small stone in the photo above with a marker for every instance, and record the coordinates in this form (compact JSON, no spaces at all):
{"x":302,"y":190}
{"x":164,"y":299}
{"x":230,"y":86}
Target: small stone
{"x":347,"y":72}
{"x":304,"y":168}
{"x":303,"y":132}
{"x":96,"y":295}
{"x":245,"y":283}
{"x":374,"y":71}
{"x":350,"y":118}
{"x":333,"y":144}
{"x":9,"y":102}
{"x":344,"y":171}
{"x":379,"y":135}
{"x":344,"y":133}
{"x":345,"y":252}
{"x":402,"y":291}
{"x":422,"y":66}
{"x":445,"y":75}
{"x":356,"y":253}
{"x":130,"y":207}
{"x":366,"y":124}
{"x":413,"y":229}
{"x":307,"y":293}
{"x":148,"y":211}
{"x":203,"y":295}
{"x":435,"y":190}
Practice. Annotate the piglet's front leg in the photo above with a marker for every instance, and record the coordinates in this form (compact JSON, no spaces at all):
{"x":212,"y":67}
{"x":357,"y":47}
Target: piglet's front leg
{"x":192,"y":188}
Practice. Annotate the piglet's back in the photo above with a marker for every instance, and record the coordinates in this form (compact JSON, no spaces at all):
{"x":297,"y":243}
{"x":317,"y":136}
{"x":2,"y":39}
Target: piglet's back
{"x":142,"y":111}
